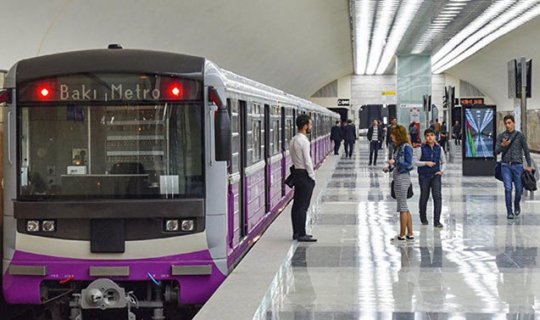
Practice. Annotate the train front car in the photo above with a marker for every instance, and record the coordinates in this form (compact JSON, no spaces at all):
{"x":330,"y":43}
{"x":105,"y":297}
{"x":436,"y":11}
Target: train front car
{"x":109,"y":162}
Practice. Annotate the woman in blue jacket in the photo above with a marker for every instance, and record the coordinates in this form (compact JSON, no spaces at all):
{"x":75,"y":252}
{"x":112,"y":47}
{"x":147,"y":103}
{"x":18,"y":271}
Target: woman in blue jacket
{"x":402,"y":164}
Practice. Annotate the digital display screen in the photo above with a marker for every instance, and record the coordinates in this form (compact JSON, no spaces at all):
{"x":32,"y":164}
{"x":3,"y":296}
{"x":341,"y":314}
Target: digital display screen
{"x":471,"y":101}
{"x":110,"y":88}
{"x":479,"y":132}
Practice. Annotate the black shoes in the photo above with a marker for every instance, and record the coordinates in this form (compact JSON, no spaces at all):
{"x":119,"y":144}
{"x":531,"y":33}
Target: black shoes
{"x":517,"y":209}
{"x":305,"y":238}
{"x":402,"y":238}
{"x":510,"y":216}
{"x":425,"y":223}
{"x":438,"y":225}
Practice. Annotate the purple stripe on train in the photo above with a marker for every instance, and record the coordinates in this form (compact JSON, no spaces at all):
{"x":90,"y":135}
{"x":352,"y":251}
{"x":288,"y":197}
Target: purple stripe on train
{"x":193,"y":289}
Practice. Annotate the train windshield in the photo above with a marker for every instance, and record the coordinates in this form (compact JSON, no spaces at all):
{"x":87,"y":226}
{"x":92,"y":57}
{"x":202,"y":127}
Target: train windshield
{"x":83,"y":150}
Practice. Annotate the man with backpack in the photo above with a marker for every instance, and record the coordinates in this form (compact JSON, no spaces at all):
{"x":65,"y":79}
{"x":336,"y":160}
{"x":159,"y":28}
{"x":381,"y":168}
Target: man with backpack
{"x":513,"y":145}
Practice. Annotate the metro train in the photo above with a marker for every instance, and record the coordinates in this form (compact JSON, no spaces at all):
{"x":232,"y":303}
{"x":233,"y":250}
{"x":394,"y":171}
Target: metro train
{"x":139,"y":179}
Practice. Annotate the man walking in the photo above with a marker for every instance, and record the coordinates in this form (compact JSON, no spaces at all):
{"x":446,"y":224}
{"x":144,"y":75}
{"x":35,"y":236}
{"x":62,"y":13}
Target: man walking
{"x":431,"y":167}
{"x":350,"y":138}
{"x":374,"y":135}
{"x":303,"y":176}
{"x":389,"y":143}
{"x":336,"y":136}
{"x":513,"y":146}
{"x":456,"y":132}
{"x":413,"y":132}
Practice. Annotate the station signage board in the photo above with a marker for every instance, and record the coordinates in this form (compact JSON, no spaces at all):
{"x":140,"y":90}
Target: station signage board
{"x":471,"y":101}
{"x":343,"y":102}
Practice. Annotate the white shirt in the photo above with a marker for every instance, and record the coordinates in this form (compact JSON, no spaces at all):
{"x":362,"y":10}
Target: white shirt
{"x":300,"y":154}
{"x":375,"y":135}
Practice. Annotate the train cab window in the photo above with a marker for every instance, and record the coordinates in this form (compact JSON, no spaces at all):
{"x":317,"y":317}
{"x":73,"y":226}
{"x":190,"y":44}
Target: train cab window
{"x":113,"y":151}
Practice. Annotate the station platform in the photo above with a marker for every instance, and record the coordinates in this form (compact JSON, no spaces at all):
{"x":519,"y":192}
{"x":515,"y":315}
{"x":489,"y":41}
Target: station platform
{"x":479,"y":266}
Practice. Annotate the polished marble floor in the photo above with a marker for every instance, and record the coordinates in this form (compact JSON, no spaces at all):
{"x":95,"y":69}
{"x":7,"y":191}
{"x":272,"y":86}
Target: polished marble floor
{"x":480,"y":266}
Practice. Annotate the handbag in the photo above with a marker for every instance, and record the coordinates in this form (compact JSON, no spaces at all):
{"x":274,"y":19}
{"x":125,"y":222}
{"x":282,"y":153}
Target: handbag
{"x":498,"y":166}
{"x":528,"y":180}
{"x":410,"y":192}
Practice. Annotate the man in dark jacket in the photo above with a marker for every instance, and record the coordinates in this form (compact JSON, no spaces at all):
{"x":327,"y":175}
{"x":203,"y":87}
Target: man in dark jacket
{"x":375,"y":137}
{"x":336,"y":136}
{"x":456,"y":133}
{"x":349,"y":137}
{"x":513,"y":145}
{"x":431,"y":165}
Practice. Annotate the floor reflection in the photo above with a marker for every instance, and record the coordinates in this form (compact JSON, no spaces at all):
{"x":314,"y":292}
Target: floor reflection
{"x":480,"y":266}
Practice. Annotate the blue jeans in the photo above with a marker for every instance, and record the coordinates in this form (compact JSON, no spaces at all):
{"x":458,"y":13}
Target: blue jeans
{"x":511,"y":173}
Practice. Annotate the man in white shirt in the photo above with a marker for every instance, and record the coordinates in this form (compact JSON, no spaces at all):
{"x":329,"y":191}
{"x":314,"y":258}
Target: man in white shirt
{"x":304,"y":178}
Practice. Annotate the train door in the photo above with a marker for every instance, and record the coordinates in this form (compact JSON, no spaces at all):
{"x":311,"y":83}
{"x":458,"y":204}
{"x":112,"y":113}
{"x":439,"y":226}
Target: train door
{"x":243,"y":221}
{"x":267,"y":155}
{"x":284,"y":143}
{"x":236,"y":173}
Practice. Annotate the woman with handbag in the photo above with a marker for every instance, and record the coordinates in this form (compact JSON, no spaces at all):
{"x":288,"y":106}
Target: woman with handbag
{"x":401,"y":165}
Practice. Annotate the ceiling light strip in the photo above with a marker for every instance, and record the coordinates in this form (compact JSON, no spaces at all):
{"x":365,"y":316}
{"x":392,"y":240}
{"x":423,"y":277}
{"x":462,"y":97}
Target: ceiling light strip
{"x":446,"y":16}
{"x":492,"y":26}
{"x":363,"y":11}
{"x":403,"y":20}
{"x":493,"y":11}
{"x":514,"y":24}
{"x":385,"y":14}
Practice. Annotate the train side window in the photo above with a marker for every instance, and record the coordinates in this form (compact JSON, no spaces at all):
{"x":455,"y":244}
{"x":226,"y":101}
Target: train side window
{"x":254,"y":132}
{"x":257,"y":141}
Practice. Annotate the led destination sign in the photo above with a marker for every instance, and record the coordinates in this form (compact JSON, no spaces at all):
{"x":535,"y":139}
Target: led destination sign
{"x":80,"y":88}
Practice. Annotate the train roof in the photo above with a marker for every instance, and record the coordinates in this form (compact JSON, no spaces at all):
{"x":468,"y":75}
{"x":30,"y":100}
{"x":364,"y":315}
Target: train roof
{"x":110,"y":61}
{"x":248,"y":86}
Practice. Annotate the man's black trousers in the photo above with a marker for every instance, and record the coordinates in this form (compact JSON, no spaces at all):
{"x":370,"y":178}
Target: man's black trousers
{"x":303,"y":190}
{"x":373,"y":151}
{"x":337,"y":144}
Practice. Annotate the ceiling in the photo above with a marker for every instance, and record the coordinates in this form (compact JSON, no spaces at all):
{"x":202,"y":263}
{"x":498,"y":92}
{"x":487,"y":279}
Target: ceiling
{"x":487,"y":69}
{"x":448,"y":30}
{"x":297,"y":46}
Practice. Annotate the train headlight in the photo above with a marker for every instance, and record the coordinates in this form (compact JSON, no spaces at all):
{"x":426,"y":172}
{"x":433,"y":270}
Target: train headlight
{"x":48,"y":226}
{"x":172,"y":225}
{"x":32,"y":226}
{"x":188,"y":225}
